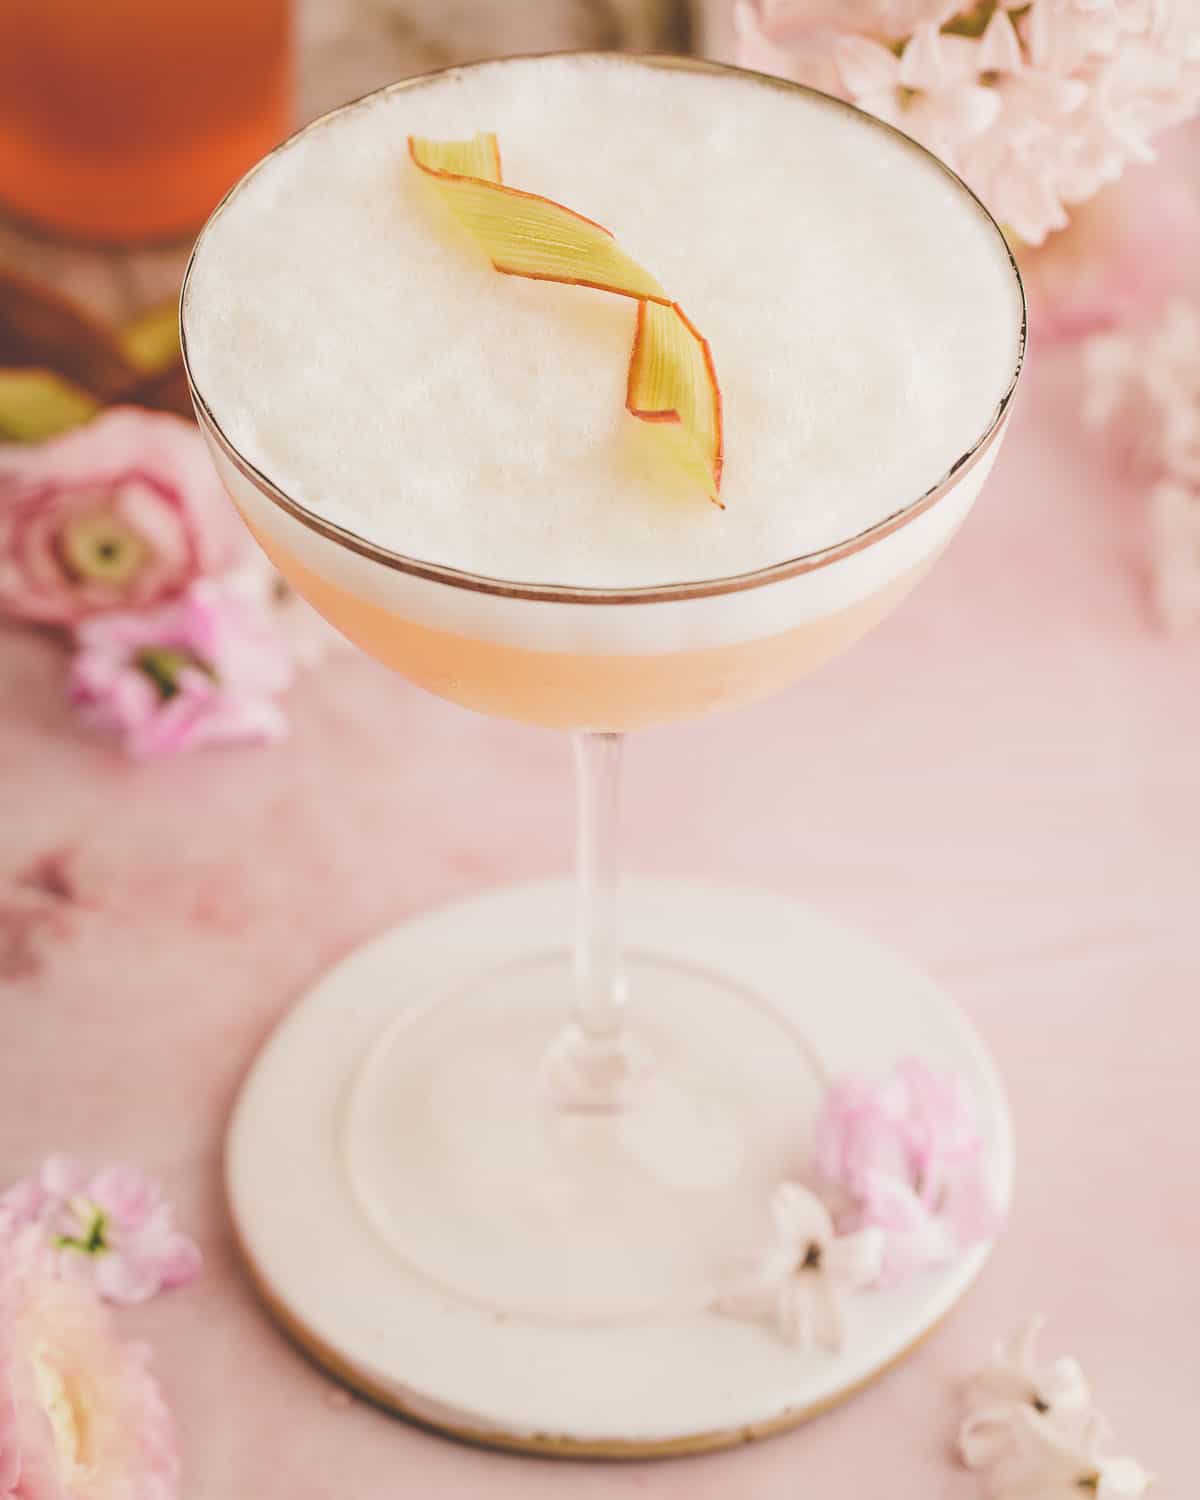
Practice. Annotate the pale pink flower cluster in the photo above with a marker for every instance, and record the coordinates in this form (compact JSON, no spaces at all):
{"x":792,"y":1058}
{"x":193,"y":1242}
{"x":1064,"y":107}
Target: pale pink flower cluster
{"x":899,"y":1183}
{"x":1037,"y":104}
{"x":1032,"y":1430}
{"x":1145,"y":387}
{"x":119,"y":533}
{"x":109,"y":1228}
{"x":81,"y":1417}
{"x":204,"y":669}
{"x":905,"y":1155}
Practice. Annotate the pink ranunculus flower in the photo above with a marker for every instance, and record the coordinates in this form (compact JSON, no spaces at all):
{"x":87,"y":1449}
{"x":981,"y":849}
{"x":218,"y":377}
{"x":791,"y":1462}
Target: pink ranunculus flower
{"x":202,"y":670}
{"x":119,"y":514}
{"x":110,"y":1228}
{"x":905,"y":1155}
{"x":81,"y":1417}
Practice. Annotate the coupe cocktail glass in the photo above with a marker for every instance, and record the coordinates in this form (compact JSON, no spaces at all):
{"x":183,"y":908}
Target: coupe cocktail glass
{"x":569,"y":1140}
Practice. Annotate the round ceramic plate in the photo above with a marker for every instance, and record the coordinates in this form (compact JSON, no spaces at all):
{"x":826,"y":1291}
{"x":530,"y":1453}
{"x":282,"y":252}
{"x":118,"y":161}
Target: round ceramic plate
{"x":419,"y":1218}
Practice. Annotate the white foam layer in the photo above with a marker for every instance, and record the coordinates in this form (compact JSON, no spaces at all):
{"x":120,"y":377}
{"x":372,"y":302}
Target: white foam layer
{"x":355,"y":345}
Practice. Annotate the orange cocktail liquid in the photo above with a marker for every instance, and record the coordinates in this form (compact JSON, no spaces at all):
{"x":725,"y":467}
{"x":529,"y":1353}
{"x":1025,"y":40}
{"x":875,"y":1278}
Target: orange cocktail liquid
{"x":578,"y":690}
{"x":128,"y":119}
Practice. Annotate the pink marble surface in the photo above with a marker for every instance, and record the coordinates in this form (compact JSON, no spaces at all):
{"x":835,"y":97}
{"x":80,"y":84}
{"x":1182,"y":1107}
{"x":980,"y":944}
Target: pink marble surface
{"x":1003,"y":781}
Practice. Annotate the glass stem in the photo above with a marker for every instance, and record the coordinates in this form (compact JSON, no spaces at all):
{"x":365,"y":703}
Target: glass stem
{"x":599,"y":1004}
{"x":595,"y":1065}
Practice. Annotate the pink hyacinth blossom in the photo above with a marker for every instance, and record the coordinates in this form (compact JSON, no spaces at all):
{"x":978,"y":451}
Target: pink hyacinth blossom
{"x":203,"y":670}
{"x":890,"y":18}
{"x":119,"y":514}
{"x":81,"y":1417}
{"x":906,"y":1156}
{"x":1038,"y":106}
{"x":109,"y":1228}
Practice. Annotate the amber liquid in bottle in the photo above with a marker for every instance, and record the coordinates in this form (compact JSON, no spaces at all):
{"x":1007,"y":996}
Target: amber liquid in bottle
{"x":126,"y":120}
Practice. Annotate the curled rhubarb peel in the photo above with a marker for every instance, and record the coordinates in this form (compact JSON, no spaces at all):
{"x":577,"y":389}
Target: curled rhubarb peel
{"x":525,"y":234}
{"x":479,"y":157}
{"x":672,"y":379}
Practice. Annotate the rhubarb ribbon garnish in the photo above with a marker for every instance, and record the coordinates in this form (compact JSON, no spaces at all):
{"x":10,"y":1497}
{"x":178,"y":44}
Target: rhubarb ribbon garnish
{"x":672,"y":379}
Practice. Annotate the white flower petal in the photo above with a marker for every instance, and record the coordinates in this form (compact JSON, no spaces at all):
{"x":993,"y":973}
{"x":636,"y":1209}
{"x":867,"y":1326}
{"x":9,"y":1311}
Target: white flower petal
{"x":799,"y":1216}
{"x":750,"y":1300}
{"x":794,"y":1311}
{"x":922,"y":63}
{"x":1063,"y":1386}
{"x":998,"y":1382}
{"x":968,"y":110}
{"x":1122,"y":1479}
{"x":828,"y":1321}
{"x":986,"y":1435}
{"x":1035,"y":28}
{"x":999,"y":46}
{"x":1051,"y":95}
{"x":1027,"y":202}
{"x":884,"y":104}
{"x":853,"y":1261}
{"x":1019,"y":1348}
{"x":756,"y":48}
{"x":866,"y":67}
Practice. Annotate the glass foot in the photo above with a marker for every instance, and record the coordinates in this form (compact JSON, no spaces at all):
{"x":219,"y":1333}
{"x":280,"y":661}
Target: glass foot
{"x":463,"y":1157}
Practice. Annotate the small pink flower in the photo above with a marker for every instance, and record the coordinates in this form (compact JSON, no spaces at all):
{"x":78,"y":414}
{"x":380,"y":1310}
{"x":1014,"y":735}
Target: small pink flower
{"x":800,"y":1281}
{"x":905,"y":1155}
{"x":202,"y":670}
{"x":118,"y":514}
{"x":81,"y":1417}
{"x":110,"y":1228}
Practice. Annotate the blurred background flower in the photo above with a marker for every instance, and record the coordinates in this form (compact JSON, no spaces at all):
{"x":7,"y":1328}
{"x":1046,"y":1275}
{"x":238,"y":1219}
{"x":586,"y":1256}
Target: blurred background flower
{"x":111,"y":1228}
{"x":81,"y":1416}
{"x":202,"y":670}
{"x":120,"y":513}
{"x":1038,"y":105}
{"x":904,"y":1154}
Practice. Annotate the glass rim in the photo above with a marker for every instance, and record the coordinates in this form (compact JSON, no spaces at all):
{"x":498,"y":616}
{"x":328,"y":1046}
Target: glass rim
{"x":806,"y":562}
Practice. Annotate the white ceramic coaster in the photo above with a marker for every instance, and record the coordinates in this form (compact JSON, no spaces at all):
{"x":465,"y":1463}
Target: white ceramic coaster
{"x":422,"y":1220}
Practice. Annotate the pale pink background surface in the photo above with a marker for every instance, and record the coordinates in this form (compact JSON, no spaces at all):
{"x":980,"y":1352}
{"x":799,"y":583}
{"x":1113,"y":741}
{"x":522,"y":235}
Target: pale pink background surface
{"x":1004,"y":781}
